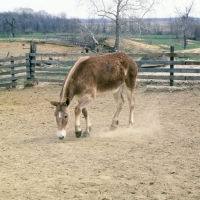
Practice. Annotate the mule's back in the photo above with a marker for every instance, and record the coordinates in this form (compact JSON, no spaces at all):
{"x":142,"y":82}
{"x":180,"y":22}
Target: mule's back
{"x":105,"y":72}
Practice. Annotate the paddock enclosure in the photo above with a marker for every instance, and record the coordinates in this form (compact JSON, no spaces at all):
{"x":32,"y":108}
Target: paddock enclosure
{"x":158,"y":159}
{"x":55,"y":63}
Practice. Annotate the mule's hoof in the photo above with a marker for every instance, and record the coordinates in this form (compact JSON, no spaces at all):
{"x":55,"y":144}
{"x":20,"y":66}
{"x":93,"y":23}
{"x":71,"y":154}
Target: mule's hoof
{"x":86,"y":134}
{"x":112,"y":127}
{"x":78,"y":134}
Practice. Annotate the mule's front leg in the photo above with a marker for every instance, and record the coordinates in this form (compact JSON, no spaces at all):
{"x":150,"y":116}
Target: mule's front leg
{"x":86,"y":133}
{"x":83,"y":102}
{"x":78,"y":130}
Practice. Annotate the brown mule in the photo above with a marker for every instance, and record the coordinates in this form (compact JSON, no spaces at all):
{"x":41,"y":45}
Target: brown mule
{"x":90,"y":75}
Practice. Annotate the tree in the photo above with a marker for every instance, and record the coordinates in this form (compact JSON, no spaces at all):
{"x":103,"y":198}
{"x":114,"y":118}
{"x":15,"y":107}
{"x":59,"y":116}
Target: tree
{"x":122,"y":11}
{"x":184,"y":19}
{"x":11,"y":24}
{"x":26,"y":21}
{"x":197,"y":33}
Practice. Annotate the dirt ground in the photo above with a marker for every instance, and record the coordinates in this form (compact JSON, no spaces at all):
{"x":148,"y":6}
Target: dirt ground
{"x":8,"y":49}
{"x":15,"y":49}
{"x":158,"y":159}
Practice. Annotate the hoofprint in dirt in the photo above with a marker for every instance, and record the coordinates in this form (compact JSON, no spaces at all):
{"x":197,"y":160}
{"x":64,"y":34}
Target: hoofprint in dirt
{"x":158,"y":159}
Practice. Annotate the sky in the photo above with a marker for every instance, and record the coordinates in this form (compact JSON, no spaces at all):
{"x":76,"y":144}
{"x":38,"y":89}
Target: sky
{"x":73,"y":8}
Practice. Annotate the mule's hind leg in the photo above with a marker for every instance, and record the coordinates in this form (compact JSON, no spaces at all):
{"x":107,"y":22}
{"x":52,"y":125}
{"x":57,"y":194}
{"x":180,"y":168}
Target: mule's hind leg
{"x":131,"y":100}
{"x":120,"y":101}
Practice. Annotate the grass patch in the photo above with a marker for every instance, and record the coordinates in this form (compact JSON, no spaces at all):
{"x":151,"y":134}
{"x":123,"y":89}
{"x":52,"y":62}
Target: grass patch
{"x":165,"y":41}
{"x":66,"y":65}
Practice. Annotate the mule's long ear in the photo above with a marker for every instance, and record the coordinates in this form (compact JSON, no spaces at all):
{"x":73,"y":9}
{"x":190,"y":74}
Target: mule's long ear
{"x":67,"y":102}
{"x":54,"y":103}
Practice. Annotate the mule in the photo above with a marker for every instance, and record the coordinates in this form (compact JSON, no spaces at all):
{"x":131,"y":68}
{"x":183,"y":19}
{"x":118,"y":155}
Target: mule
{"x":89,"y":75}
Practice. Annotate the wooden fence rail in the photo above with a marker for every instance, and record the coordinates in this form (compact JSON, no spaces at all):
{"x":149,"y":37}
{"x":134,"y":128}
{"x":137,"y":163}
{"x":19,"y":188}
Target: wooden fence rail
{"x":10,"y":71}
{"x":41,"y":67}
{"x":178,"y":55}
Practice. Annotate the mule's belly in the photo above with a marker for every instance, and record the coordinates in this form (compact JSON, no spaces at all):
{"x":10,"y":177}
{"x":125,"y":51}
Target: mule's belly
{"x":103,"y":93}
{"x":109,"y":85}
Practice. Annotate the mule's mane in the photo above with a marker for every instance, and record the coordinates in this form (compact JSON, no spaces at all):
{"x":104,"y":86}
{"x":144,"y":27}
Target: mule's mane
{"x":63,"y":92}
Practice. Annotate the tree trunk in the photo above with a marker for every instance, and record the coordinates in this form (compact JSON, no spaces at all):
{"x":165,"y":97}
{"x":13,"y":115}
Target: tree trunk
{"x":116,"y":47}
{"x":13,"y":34}
{"x":185,"y":41}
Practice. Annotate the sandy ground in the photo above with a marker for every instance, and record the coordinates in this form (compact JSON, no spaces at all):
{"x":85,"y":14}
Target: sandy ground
{"x":130,"y":46}
{"x":8,"y":49}
{"x":158,"y":159}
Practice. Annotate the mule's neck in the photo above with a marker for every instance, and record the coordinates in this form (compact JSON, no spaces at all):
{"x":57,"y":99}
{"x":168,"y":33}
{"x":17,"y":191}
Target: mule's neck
{"x":63,"y":96}
{"x":68,"y":90}
{"x":66,"y":93}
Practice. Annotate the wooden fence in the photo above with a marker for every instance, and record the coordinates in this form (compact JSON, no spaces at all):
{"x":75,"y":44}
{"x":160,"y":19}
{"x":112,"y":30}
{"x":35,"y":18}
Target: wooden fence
{"x":54,"y":67}
{"x":13,"y":69}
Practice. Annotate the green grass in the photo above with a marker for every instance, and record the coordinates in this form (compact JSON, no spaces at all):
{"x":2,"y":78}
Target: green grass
{"x":170,"y":40}
{"x":66,"y":65}
{"x":29,"y":36}
{"x":37,"y":36}
{"x":166,"y":41}
{"x":26,"y":37}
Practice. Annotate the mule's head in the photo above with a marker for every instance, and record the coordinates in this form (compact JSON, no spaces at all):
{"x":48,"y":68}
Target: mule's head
{"x":62,"y":117}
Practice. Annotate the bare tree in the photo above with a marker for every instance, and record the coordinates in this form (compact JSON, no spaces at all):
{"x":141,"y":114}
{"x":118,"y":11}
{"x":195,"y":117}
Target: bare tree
{"x":11,"y":24}
{"x":122,"y":11}
{"x":184,"y":19}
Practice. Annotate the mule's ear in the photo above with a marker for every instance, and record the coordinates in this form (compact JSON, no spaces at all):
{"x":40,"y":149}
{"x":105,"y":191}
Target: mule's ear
{"x":67,"y":102}
{"x":54,"y":103}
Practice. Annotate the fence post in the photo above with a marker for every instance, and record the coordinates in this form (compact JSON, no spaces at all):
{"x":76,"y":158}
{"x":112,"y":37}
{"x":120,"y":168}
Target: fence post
{"x":28,"y":71}
{"x":33,"y":49}
{"x":172,"y":67}
{"x":13,"y":73}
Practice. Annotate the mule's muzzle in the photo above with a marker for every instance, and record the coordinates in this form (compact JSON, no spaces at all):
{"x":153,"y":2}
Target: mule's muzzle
{"x":61,"y":134}
{"x":61,"y":138}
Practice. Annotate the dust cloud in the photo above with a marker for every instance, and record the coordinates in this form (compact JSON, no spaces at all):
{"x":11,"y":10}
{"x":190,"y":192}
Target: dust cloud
{"x":147,"y":125}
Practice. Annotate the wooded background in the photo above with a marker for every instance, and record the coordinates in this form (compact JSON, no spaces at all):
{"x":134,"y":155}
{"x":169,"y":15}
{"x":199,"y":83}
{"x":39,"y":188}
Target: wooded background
{"x":26,"y":21}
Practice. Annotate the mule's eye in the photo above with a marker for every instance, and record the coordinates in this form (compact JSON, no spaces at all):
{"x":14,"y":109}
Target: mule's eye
{"x":65,"y":116}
